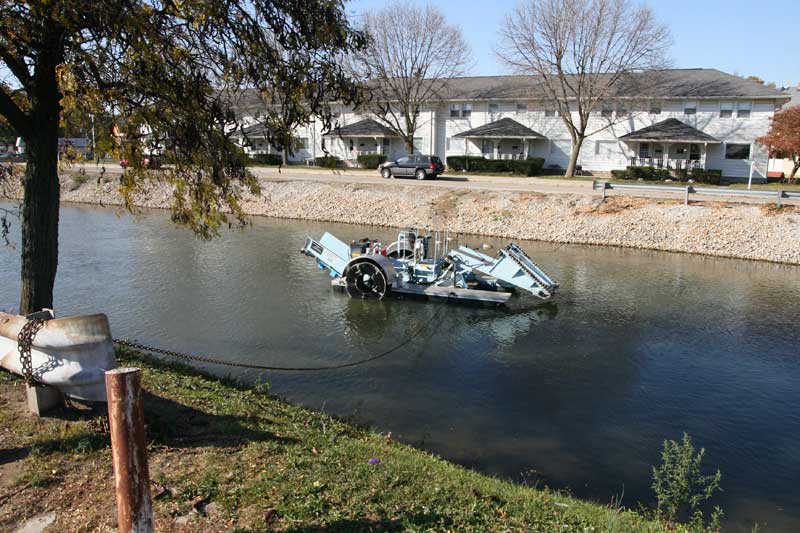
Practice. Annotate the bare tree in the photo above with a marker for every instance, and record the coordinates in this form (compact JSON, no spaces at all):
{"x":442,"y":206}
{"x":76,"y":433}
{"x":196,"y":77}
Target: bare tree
{"x":580,"y":52}
{"x":412,"y":54}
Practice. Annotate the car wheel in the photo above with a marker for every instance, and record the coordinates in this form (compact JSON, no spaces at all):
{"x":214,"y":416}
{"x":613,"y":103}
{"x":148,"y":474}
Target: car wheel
{"x":386,"y":173}
{"x":420,"y":174}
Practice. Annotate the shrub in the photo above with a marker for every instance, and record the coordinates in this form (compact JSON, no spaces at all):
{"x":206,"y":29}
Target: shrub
{"x":524,"y":167}
{"x":328,"y":161}
{"x":371,"y":160}
{"x":680,"y":485}
{"x":267,"y":159}
{"x":661,"y":174}
{"x":709,"y":176}
{"x":620,"y":174}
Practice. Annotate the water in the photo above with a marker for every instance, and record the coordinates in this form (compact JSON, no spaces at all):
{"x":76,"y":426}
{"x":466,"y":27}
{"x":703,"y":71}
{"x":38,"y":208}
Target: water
{"x":641,"y":346}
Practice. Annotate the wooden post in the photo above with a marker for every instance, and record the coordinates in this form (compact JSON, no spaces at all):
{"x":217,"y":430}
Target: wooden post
{"x":129,"y":450}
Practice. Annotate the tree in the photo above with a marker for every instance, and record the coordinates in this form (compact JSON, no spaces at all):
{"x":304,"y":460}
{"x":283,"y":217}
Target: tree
{"x":412,"y":54}
{"x":170,"y":73}
{"x":783,"y":137}
{"x":580,"y":52}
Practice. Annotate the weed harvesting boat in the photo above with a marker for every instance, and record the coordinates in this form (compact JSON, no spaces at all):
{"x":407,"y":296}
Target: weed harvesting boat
{"x":425,"y":265}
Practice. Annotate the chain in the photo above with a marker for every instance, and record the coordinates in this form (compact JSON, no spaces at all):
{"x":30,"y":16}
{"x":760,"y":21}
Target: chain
{"x":24,"y":342}
{"x":222,"y":362}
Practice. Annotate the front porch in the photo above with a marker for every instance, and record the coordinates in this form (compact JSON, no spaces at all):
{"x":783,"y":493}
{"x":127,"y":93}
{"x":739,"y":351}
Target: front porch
{"x":503,"y":139}
{"x":365,"y":137}
{"x":670,"y":144}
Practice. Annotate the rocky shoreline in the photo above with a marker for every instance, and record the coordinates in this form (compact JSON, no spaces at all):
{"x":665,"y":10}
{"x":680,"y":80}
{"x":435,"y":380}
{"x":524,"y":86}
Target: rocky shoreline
{"x":757,"y":232}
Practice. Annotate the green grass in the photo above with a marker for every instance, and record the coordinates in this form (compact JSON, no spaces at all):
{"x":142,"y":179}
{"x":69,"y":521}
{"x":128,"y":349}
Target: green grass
{"x":267,"y":464}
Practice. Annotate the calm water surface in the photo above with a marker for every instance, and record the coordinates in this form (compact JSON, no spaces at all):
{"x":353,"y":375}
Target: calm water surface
{"x":641,"y":346}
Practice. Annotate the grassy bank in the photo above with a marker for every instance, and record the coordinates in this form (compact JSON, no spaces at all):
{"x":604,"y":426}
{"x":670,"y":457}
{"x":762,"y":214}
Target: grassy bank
{"x":225,"y":457}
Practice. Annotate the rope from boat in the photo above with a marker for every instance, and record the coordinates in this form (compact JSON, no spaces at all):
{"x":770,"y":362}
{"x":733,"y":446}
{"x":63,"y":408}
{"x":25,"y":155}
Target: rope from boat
{"x":24,"y":343}
{"x":237,"y":364}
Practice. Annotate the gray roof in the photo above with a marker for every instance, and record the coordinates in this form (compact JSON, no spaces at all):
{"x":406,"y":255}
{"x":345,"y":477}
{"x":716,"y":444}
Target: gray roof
{"x":505,"y":127}
{"x":363,"y":128}
{"x":674,"y":83}
{"x":668,"y":130}
{"x":254,"y":130}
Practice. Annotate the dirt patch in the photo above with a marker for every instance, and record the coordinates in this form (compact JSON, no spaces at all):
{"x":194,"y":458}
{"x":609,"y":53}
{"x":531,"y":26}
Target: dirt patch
{"x":610,"y":206}
{"x":772,"y":210}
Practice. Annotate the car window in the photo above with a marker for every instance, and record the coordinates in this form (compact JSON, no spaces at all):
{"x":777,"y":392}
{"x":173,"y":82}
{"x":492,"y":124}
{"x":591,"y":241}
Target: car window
{"x":403,"y":160}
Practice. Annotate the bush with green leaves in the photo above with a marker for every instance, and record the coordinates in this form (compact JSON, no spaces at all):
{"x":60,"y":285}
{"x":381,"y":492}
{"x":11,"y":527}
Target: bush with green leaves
{"x":371,"y":160}
{"x":267,"y":159}
{"x":681,"y":486}
{"x":525,"y":167}
{"x":328,"y":161}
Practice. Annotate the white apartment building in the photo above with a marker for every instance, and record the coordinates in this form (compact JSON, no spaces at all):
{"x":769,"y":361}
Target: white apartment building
{"x":672,"y":119}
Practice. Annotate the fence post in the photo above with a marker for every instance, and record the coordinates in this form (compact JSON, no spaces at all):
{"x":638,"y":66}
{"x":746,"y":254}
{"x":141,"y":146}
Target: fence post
{"x":686,"y":195}
{"x":129,"y":450}
{"x":780,"y":198}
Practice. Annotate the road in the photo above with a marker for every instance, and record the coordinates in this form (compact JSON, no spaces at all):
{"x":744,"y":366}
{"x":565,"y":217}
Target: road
{"x":473,"y":182}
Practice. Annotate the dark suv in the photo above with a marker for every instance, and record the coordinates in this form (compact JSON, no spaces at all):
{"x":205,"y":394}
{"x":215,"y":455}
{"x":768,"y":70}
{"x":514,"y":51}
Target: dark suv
{"x":419,"y":166}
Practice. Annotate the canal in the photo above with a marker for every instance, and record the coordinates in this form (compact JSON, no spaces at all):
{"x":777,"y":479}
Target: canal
{"x":640,"y":346}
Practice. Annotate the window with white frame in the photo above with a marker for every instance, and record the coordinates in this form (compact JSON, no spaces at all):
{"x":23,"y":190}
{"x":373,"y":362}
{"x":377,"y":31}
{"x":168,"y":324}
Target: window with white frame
{"x":418,"y":144}
{"x":460,"y":110}
{"x":549,"y":112}
{"x":644,"y":150}
{"x":689,"y":108}
{"x":655,"y":108}
{"x":725,"y":109}
{"x":737,"y":151}
{"x":455,"y":110}
{"x":606,"y":111}
{"x":743,"y":110}
{"x":522,"y":107}
{"x":694,"y":152}
{"x":302,"y":143}
{"x":466,"y":110}
{"x":494,"y":108}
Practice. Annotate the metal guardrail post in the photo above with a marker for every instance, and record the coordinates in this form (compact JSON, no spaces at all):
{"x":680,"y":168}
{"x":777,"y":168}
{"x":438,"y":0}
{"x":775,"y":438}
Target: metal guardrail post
{"x":129,"y":450}
{"x":686,"y":195}
{"x":780,"y":197}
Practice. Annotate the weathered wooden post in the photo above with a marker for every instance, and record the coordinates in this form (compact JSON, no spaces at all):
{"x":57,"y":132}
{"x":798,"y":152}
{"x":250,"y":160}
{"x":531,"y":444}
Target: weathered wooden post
{"x":129,"y":450}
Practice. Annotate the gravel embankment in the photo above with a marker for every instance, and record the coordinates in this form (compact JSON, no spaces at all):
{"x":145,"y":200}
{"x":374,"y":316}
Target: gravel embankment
{"x":727,"y":230}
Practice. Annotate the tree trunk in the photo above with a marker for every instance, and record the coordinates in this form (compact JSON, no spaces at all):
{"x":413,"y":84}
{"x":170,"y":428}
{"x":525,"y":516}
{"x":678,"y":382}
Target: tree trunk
{"x":410,"y":146}
{"x":40,"y":212}
{"x":285,"y":155}
{"x":573,"y":157}
{"x":795,"y":168}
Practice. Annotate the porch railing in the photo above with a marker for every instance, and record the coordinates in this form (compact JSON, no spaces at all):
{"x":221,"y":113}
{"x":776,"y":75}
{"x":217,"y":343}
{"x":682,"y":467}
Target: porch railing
{"x":670,"y":164}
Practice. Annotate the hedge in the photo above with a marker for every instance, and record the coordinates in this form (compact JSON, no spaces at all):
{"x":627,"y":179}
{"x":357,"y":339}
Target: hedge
{"x":328,"y":161}
{"x":267,"y":159}
{"x":525,"y":167}
{"x":371,"y":160}
{"x":710,"y":176}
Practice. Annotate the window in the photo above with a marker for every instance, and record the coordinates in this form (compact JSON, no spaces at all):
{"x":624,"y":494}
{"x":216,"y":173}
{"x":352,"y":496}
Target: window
{"x":644,"y":150}
{"x":622,"y":111}
{"x":606,"y":112}
{"x":549,"y":112}
{"x":655,"y":108}
{"x":737,"y":151}
{"x":606,"y":149}
{"x":694,"y":152}
{"x":460,"y":110}
{"x":690,"y":108}
{"x":302,"y":143}
{"x":494,"y":108}
{"x":404,"y":161}
{"x":522,"y":107}
{"x":725,"y":109}
{"x":743,"y":110}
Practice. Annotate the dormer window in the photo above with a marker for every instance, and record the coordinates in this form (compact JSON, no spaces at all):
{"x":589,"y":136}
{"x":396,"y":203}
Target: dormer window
{"x":522,"y":107}
{"x":690,"y":108}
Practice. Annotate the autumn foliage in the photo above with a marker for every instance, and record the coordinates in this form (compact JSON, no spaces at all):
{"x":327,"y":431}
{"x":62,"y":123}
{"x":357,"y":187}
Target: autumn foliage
{"x":783,"y":138}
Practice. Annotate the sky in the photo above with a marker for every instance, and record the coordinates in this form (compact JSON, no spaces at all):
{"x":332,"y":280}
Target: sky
{"x":746,"y":37}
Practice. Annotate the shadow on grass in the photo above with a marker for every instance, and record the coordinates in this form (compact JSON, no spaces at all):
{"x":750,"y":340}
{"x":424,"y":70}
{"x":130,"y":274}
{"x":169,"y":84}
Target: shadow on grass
{"x":179,"y":426}
{"x":429,"y":522}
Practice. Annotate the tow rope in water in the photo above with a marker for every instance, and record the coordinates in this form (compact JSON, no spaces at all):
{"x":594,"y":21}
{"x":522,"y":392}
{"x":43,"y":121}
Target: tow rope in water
{"x":223,"y":362}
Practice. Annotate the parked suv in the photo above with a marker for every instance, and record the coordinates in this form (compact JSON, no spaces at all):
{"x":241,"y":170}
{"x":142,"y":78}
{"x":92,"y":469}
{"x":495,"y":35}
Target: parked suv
{"x":419,"y":166}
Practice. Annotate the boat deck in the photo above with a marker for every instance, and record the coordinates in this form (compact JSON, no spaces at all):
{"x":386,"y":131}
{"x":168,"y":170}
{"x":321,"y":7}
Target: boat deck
{"x":433,"y":292}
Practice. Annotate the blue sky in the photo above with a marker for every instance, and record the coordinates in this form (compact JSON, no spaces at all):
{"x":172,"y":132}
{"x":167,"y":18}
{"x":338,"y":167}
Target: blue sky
{"x":746,"y":37}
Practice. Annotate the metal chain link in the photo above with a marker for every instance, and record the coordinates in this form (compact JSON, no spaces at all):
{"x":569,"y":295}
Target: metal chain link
{"x":223,"y":362}
{"x":24,"y":343}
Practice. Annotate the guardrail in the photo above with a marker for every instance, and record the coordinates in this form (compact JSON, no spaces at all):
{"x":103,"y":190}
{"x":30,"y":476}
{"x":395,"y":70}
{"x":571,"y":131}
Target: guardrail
{"x":777,"y":195}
